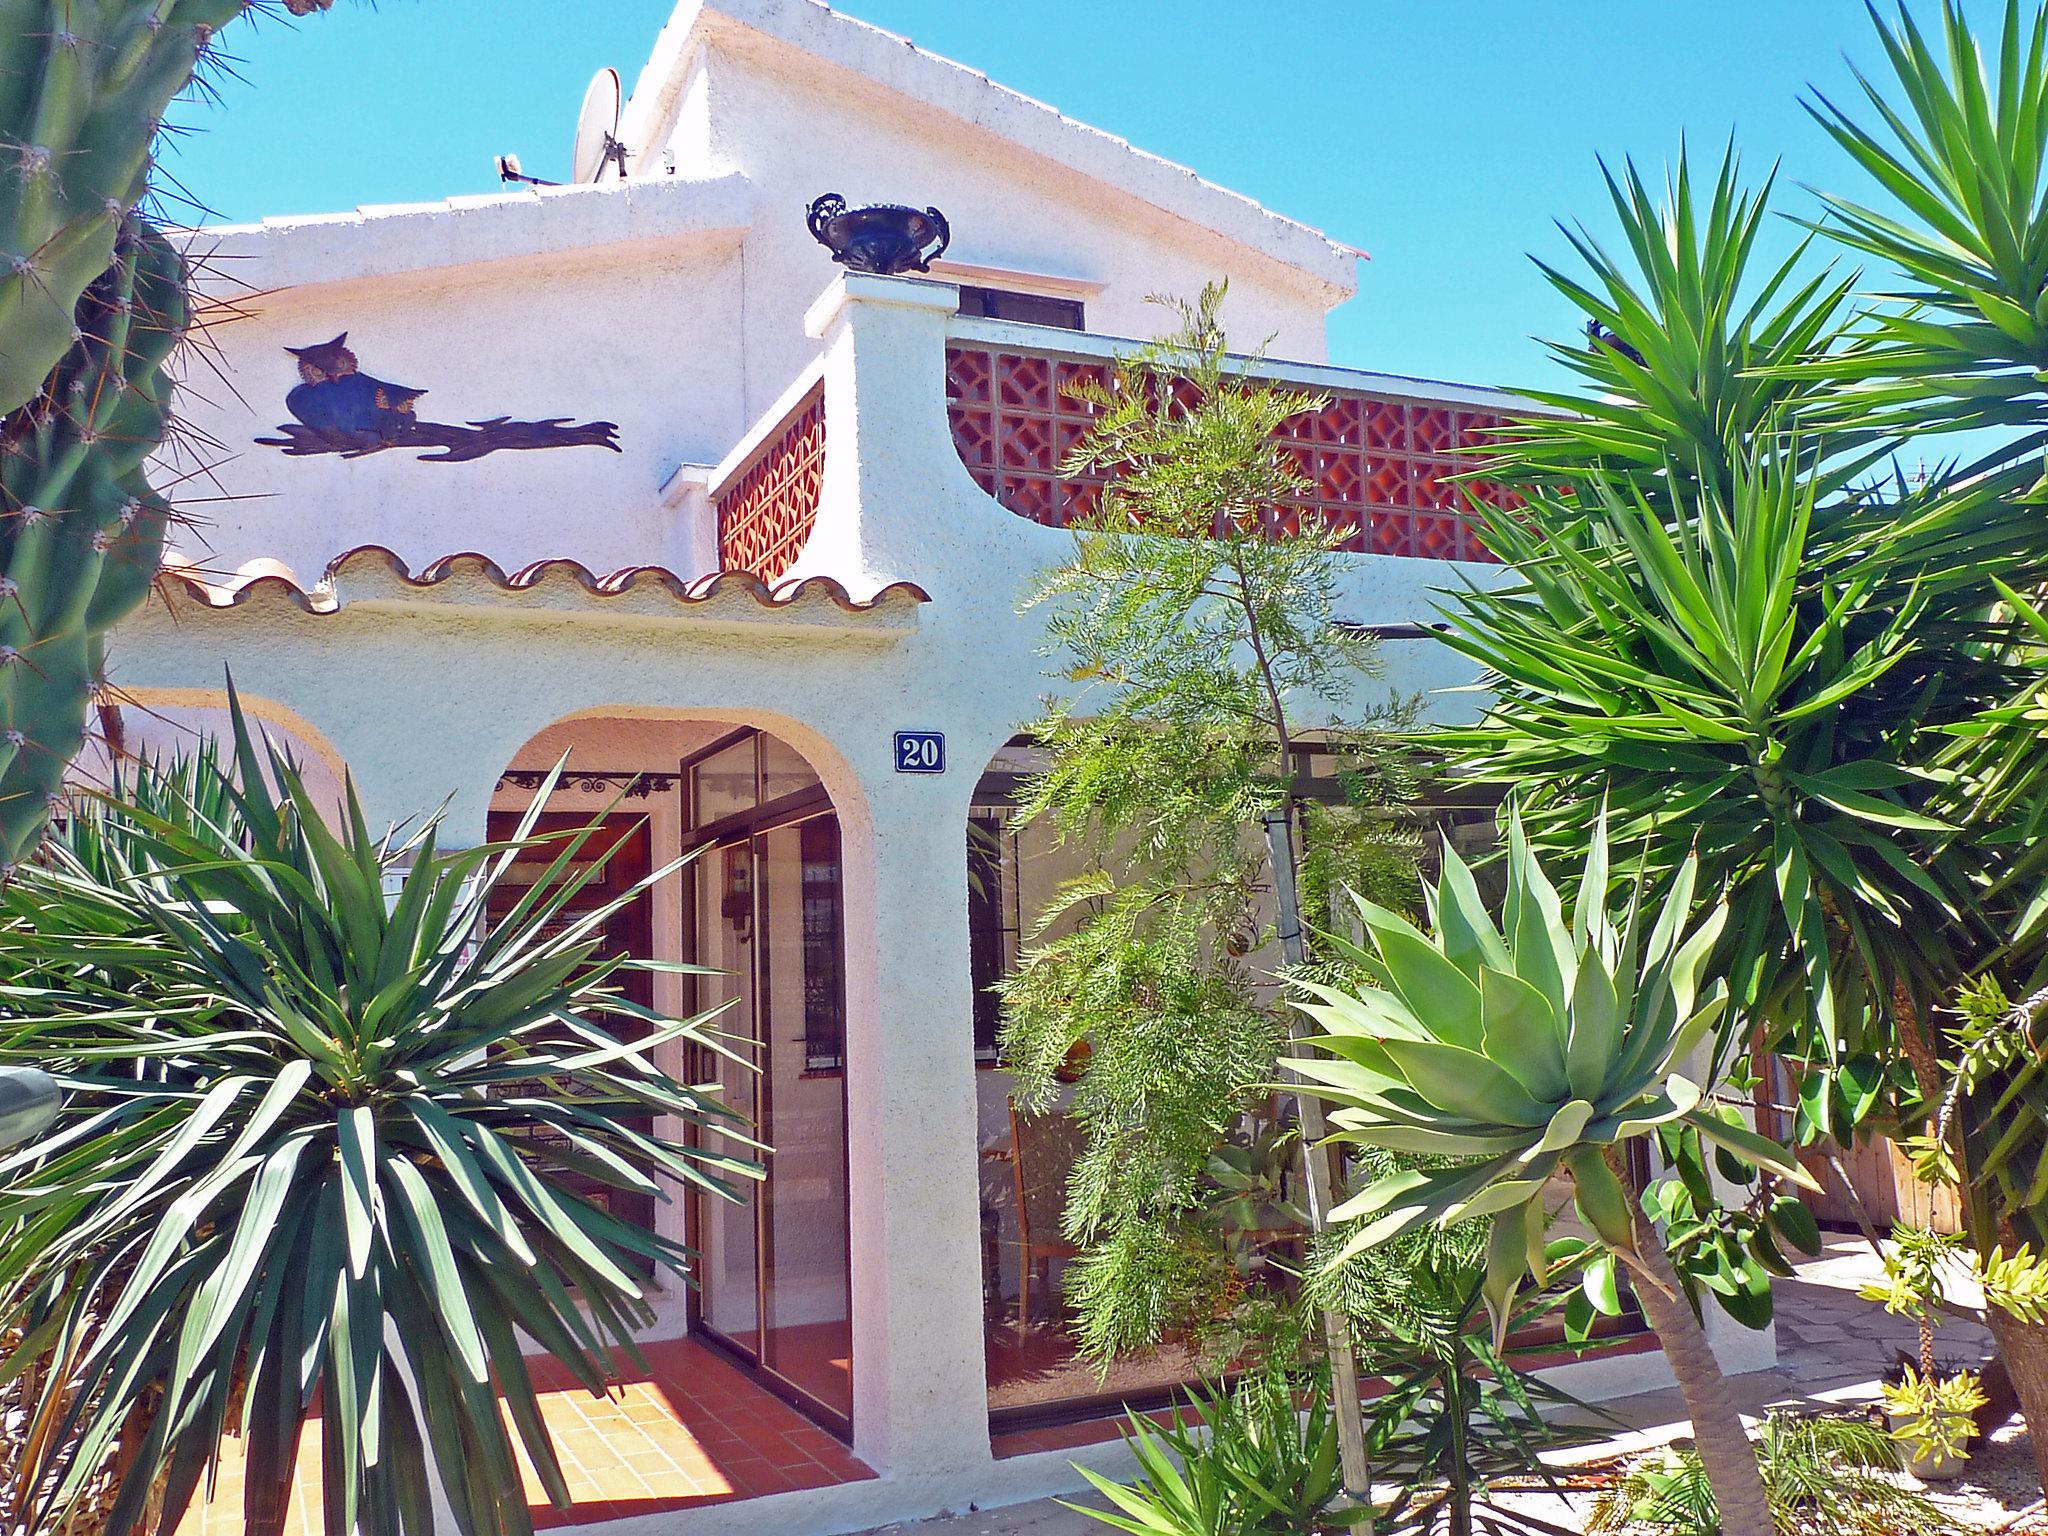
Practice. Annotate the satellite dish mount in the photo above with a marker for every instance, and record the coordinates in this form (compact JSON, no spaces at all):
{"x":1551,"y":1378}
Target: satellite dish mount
{"x":597,"y":131}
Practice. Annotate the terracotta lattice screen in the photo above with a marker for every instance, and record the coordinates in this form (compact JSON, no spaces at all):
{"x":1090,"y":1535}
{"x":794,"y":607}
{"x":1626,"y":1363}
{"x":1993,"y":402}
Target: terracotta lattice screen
{"x":766,"y":514}
{"x":1380,"y":466}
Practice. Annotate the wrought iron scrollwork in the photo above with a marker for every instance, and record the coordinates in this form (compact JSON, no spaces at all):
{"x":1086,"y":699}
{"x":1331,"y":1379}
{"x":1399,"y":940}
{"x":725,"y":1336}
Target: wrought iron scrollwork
{"x":634,"y":786}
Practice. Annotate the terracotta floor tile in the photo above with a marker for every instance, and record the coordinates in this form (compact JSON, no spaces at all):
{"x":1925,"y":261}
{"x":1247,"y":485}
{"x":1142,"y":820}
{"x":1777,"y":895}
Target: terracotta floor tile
{"x":812,"y":1439}
{"x":672,"y":1485}
{"x":690,"y":1429}
{"x":773,"y":1480}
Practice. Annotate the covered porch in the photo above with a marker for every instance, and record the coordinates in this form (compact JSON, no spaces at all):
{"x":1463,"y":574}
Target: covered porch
{"x":825,"y":1369}
{"x":688,"y":1431}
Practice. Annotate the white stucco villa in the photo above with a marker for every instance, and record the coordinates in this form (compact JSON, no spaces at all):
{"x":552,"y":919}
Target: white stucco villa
{"x":744,"y":533}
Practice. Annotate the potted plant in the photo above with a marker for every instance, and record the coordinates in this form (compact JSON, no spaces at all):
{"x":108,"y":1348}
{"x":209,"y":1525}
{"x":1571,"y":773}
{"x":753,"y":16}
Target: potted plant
{"x":1931,"y":1411}
{"x":1933,"y":1415}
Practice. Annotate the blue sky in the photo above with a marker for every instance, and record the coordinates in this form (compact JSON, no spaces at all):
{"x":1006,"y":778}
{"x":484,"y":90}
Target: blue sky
{"x":1442,"y":135}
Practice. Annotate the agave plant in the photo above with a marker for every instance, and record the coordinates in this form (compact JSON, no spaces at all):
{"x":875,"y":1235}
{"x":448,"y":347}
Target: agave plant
{"x":318,"y":1148}
{"x":1534,"y":1049}
{"x":1255,"y":1463}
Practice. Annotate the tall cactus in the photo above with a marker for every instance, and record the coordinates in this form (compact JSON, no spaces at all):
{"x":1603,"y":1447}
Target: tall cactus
{"x":92,"y":302}
{"x":80,"y":528}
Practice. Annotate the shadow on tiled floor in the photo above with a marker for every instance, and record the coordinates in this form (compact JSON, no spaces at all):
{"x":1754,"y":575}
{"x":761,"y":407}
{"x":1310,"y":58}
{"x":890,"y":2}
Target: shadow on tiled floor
{"x":690,"y":1430}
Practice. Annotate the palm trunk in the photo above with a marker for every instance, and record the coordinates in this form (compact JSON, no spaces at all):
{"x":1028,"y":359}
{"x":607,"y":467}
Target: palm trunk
{"x":1717,"y":1429}
{"x":2023,"y":1348}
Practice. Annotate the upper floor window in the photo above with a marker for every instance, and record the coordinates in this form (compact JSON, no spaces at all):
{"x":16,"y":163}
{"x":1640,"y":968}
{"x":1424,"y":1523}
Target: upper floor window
{"x":1024,"y":308}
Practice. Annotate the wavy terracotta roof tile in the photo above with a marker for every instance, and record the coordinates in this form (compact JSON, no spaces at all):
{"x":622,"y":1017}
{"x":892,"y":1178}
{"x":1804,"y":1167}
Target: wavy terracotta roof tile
{"x":325,"y":596}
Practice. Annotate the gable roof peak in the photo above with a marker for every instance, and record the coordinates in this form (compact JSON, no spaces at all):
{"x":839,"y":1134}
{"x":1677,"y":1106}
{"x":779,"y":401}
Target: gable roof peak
{"x":833,"y":39}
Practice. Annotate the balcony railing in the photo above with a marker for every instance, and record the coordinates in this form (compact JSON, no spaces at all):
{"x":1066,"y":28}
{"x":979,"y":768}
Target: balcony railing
{"x":768,"y":505}
{"x":1383,"y":461}
{"x":1379,"y":464}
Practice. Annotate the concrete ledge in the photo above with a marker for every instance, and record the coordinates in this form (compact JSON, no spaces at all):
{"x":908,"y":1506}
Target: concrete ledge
{"x":383,"y":240}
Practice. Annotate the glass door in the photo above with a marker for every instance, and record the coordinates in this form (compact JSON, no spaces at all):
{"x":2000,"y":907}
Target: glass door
{"x":766,"y":913}
{"x":806,"y":1333}
{"x":729,"y":1296}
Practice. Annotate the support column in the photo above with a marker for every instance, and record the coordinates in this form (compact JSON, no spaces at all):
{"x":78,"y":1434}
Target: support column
{"x":920,"y":1387}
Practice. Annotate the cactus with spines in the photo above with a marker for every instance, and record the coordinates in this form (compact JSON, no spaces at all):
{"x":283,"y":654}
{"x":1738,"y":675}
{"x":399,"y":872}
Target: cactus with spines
{"x":81,"y":531}
{"x":84,"y":85}
{"x":92,"y":303}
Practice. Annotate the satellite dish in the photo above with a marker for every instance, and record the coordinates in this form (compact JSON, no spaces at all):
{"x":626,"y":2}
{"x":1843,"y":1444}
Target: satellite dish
{"x":597,"y":127}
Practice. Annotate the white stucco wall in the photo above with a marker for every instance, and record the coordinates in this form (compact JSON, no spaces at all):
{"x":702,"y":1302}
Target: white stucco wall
{"x":166,"y":727}
{"x":797,"y":127}
{"x":671,"y":303}
{"x":638,"y":334}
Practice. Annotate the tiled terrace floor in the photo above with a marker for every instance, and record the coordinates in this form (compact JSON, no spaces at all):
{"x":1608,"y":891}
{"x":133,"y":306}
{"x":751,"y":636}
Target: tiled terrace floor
{"x":689,"y":1431}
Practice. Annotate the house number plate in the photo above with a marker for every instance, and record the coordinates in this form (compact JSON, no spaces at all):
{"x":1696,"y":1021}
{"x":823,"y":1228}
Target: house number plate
{"x":920,"y":751}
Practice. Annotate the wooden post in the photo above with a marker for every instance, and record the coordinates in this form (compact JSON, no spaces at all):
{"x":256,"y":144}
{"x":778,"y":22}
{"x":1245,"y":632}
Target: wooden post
{"x":1316,"y":1161}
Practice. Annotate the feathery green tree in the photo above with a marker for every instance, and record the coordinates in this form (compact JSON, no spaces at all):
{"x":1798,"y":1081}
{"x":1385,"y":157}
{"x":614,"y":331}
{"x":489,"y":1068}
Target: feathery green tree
{"x":1211,"y":657}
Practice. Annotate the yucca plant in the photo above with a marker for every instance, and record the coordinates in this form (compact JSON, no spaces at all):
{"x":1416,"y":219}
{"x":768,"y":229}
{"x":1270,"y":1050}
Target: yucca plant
{"x":1747,"y":675}
{"x":1685,"y":351}
{"x":1961,"y":157}
{"x":320,"y":1129}
{"x":1849,"y":733}
{"x":1725,"y":627}
{"x":1955,"y":144}
{"x":1258,"y":1459}
{"x":1537,"y":1048}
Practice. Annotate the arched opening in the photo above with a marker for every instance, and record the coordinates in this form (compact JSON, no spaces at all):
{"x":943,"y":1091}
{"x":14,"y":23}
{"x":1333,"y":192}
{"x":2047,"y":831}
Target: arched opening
{"x":760,"y":904}
{"x":164,"y":724}
{"x":1040,"y":1383}
{"x":1037,"y":1374}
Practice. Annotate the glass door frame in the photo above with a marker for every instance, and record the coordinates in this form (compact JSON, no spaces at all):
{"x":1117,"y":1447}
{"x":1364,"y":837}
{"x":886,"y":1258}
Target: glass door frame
{"x":708,"y":843}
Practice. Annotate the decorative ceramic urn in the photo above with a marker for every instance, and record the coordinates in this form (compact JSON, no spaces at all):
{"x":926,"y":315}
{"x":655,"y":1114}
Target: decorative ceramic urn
{"x":886,"y":237}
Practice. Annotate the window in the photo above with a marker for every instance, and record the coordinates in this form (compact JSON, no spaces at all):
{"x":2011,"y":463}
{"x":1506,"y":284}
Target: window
{"x":824,"y":980}
{"x":752,"y":771}
{"x":1024,"y":308}
{"x":991,"y":935}
{"x":724,"y":784}
{"x":774,"y":911}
